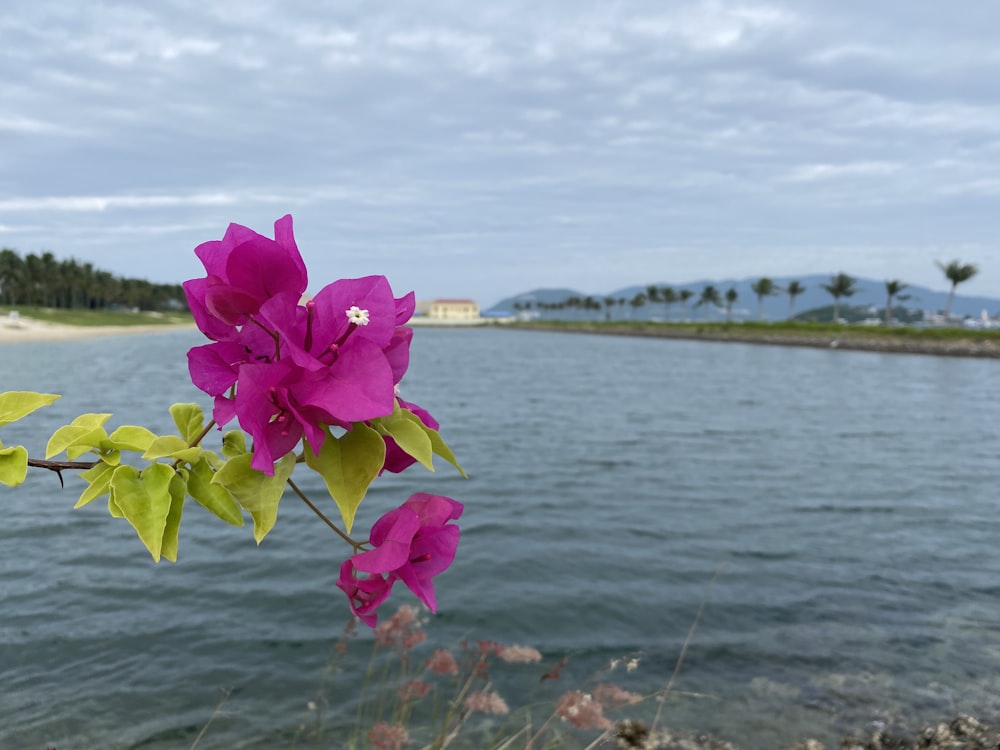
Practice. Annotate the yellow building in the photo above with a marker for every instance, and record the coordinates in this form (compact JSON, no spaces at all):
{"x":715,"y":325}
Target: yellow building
{"x":454,"y":309}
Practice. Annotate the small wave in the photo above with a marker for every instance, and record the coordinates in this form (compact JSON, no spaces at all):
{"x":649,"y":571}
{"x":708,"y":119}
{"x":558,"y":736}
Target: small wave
{"x":830,"y":508}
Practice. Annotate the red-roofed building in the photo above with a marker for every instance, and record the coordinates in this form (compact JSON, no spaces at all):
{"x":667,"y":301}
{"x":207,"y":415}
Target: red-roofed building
{"x":453,"y":309}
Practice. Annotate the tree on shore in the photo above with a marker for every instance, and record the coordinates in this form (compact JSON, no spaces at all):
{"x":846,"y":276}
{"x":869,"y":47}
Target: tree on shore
{"x":683,"y":296}
{"x":893,"y":289}
{"x":709,"y":296}
{"x":44,"y":281}
{"x":763,"y":287}
{"x":841,"y":285}
{"x":669,"y":297}
{"x":957,"y":273}
{"x":637,"y":301}
{"x":731,"y":296}
{"x":793,"y":290}
{"x":652,"y":293}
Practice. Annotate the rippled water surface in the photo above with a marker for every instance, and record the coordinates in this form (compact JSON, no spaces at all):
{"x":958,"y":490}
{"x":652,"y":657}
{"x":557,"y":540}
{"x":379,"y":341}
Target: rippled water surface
{"x":850,"y":499}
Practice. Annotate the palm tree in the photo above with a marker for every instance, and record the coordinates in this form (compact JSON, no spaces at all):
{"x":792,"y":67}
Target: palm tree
{"x":731,"y":296}
{"x":709,"y":296}
{"x":793,"y":290}
{"x":764,"y":287}
{"x":669,"y":297}
{"x":683,"y":296}
{"x":637,"y":301}
{"x":956,"y":273}
{"x":840,"y":285}
{"x":609,"y":302}
{"x":893,"y":289}
{"x":652,"y":293}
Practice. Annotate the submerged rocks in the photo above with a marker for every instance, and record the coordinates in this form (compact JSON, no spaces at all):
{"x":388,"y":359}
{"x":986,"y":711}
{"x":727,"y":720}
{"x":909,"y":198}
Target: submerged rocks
{"x":962,"y":733}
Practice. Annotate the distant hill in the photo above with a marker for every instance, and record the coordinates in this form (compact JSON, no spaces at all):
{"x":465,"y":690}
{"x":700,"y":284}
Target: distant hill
{"x":870,"y":293}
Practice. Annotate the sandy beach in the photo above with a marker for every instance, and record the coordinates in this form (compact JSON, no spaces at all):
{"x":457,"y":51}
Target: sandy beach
{"x":27,"y":329}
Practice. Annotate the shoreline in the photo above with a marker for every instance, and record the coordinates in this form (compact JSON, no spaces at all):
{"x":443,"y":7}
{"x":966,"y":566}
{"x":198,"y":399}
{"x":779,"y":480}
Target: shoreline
{"x":29,"y":330}
{"x":847,"y":340}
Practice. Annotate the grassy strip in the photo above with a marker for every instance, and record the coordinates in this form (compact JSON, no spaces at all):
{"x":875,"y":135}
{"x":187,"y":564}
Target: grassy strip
{"x":783,"y":328}
{"x":91,"y":318}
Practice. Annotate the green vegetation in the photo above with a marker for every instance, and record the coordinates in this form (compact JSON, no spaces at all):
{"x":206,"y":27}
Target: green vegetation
{"x":44,"y":281}
{"x":957,"y":273}
{"x":762,"y":330}
{"x":90,"y":318}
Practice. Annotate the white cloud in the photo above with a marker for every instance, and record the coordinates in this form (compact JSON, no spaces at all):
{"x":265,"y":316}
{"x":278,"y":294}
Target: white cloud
{"x":29,"y":125}
{"x":713,"y":25}
{"x":97,"y":203}
{"x":816,"y":172}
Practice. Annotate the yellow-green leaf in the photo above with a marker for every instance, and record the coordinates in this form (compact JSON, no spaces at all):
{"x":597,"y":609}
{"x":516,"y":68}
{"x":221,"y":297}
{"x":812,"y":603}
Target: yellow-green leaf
{"x":171,"y":446}
{"x":411,"y":438}
{"x":177,"y":490}
{"x":131,"y":438}
{"x":17,"y":404}
{"x":144,"y":500}
{"x":441,"y":449}
{"x":99,"y":478}
{"x":256,"y":492}
{"x":13,"y":465}
{"x":234,"y":443}
{"x":86,"y":432}
{"x":190,"y":420}
{"x":214,"y":497}
{"x":348,"y":465}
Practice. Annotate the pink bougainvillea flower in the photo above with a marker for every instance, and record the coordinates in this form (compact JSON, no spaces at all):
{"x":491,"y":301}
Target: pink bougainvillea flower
{"x":364,"y":593}
{"x":244,"y":269}
{"x":412,"y":543}
{"x":340,"y":315}
{"x":284,"y":369}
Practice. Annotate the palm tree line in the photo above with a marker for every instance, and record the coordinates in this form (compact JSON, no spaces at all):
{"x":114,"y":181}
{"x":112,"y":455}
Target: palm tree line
{"x":841,"y":286}
{"x":44,"y":281}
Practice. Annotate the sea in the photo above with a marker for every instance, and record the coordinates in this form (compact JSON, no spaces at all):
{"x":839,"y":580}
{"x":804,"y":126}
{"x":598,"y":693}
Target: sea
{"x":817,"y":532}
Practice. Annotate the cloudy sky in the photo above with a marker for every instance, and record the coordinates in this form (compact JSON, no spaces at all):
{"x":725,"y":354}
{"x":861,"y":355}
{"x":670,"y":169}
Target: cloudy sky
{"x":484,"y":149}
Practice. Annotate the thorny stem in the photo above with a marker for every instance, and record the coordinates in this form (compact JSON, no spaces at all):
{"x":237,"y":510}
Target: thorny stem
{"x":295,"y":488}
{"x":60,"y":466}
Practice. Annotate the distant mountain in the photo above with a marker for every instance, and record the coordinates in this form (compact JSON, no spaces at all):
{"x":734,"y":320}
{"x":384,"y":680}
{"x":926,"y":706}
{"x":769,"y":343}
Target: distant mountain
{"x":870,"y":293}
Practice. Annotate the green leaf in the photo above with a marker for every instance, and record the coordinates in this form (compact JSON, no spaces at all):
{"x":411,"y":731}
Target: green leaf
{"x":131,"y":438}
{"x":109,"y":455}
{"x":144,"y":500}
{"x":17,"y":404}
{"x":438,"y":446}
{"x":214,"y":497}
{"x":86,"y":432}
{"x":99,"y":478}
{"x":13,"y":465}
{"x":441,"y":449}
{"x":171,"y":446}
{"x":190,"y":420}
{"x":234,"y":443}
{"x":256,"y":492}
{"x":348,"y":465}
{"x":410,"y":436}
{"x":177,"y":489}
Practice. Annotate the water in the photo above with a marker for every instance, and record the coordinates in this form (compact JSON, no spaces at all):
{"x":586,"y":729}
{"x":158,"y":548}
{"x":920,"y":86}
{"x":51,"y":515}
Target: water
{"x":850,"y":500}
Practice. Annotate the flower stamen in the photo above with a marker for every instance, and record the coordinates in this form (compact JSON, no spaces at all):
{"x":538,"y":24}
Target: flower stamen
{"x":357,"y":316}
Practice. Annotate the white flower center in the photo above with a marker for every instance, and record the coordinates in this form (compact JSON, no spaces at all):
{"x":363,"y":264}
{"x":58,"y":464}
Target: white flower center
{"x":357,"y":316}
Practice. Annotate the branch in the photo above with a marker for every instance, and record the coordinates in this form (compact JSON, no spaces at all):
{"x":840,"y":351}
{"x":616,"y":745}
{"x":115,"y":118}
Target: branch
{"x":60,"y":466}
